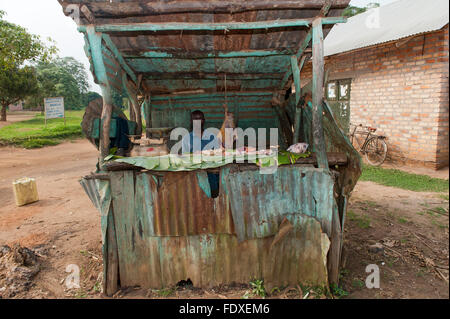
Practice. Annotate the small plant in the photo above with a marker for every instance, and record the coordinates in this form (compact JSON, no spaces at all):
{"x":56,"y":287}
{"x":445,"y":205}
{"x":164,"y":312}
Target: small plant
{"x":81,"y":294}
{"x":402,"y":220}
{"x":258,"y":288}
{"x":358,"y":283}
{"x":97,"y":287}
{"x":364,"y":222}
{"x":343,"y":273}
{"x":166,"y":292}
{"x":338,"y":292}
{"x":275,"y":290}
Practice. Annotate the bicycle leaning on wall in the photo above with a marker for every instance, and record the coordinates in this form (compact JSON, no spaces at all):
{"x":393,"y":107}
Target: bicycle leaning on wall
{"x":374,"y":147}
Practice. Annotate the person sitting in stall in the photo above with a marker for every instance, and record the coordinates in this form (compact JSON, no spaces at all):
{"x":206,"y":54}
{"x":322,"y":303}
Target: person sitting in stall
{"x":198,"y":140}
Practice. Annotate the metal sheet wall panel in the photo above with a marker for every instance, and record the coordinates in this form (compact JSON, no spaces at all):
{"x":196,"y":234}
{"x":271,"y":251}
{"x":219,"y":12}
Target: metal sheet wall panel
{"x":260,"y":201}
{"x":216,"y":259}
{"x":172,"y":205}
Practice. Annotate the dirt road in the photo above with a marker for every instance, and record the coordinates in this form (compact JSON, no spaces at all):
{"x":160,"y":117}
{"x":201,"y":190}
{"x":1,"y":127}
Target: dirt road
{"x":64,"y":222}
{"x":65,"y":228}
{"x":18,"y":117}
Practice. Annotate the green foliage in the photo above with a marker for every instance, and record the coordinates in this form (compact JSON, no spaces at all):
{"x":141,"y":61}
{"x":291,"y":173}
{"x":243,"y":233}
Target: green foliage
{"x":166,"y":292}
{"x":358,"y":283}
{"x":337,"y":291}
{"x":64,"y":77}
{"x":351,"y":11}
{"x":15,"y":85}
{"x":258,"y":288}
{"x":400,"y":179}
{"x":362,"y":221}
{"x":33,"y":134}
{"x":17,"y":46}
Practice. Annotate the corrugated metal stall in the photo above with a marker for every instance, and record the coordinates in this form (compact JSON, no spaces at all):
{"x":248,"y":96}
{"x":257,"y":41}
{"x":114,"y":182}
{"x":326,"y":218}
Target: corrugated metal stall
{"x":275,"y":227}
{"x":160,"y":228}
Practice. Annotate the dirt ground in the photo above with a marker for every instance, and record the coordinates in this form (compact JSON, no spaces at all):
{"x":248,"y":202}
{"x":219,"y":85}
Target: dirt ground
{"x":17,"y":117}
{"x":63,"y":228}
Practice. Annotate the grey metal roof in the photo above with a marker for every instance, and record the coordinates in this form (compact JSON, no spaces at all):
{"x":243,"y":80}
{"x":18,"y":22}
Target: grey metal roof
{"x":397,"y":20}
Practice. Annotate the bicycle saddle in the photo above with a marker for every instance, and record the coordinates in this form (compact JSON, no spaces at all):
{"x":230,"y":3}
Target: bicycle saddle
{"x":372,"y":129}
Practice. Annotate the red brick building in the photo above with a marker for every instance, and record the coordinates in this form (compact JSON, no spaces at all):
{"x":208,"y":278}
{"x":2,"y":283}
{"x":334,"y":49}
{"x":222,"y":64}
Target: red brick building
{"x":396,"y":75}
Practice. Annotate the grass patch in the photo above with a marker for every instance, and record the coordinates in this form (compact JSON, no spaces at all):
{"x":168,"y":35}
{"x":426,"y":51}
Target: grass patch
{"x":404,"y":180}
{"x":33,"y":133}
{"x":362,"y":221}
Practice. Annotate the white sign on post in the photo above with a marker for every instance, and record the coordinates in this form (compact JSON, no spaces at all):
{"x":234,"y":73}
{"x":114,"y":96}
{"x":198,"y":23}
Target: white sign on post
{"x":54,"y":109}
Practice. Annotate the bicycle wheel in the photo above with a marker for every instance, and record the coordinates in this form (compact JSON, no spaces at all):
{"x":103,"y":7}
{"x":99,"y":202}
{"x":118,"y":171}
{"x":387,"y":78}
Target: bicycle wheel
{"x":376,"y":151}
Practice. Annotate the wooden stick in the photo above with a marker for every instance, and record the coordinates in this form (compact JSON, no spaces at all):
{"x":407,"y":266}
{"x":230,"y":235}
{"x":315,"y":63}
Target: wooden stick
{"x":317,"y":92}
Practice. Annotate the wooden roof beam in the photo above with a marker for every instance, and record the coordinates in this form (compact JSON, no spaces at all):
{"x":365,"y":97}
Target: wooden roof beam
{"x":140,"y":8}
{"x":307,"y":40}
{"x":178,"y":54}
{"x":222,"y":26}
{"x":230,"y":94}
{"x":110,"y":44}
{"x":209,"y":76}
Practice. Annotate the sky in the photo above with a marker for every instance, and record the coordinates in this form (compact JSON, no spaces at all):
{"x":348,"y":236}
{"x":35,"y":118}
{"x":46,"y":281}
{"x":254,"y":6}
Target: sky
{"x":46,"y":18}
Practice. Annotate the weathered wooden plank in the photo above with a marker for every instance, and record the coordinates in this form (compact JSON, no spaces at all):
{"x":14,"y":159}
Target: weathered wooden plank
{"x":107,"y":9}
{"x":110,"y":44}
{"x":111,"y":271}
{"x":122,"y":190}
{"x":334,"y":255}
{"x":298,"y":93}
{"x":302,"y":47}
{"x":95,"y":44}
{"x":317,"y":94}
{"x":87,"y":13}
{"x":296,"y":76}
{"x":131,"y":91}
{"x":178,"y":54}
{"x":209,"y":96}
{"x":224,"y":26}
{"x":210,"y":76}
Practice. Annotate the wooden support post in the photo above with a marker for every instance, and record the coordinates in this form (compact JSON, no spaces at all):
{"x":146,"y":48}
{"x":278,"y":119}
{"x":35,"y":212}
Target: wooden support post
{"x":131,"y":110}
{"x":296,"y":76}
{"x":132,"y":93}
{"x":147,"y":113}
{"x":95,"y":43}
{"x":317,"y":94}
{"x":296,"y":69}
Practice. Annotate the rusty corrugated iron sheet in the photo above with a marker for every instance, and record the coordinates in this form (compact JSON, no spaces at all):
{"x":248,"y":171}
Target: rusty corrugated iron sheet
{"x":215,"y":259}
{"x":260,"y":202}
{"x":167,"y":229}
{"x":171,"y":205}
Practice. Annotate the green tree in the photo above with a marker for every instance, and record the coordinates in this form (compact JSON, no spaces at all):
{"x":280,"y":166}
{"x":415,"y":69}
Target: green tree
{"x":64,"y":77}
{"x":17,"y":48}
{"x":351,"y":11}
{"x":15,"y":85}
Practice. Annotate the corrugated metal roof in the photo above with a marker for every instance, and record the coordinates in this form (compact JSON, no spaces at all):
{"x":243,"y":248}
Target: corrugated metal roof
{"x":397,"y":20}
